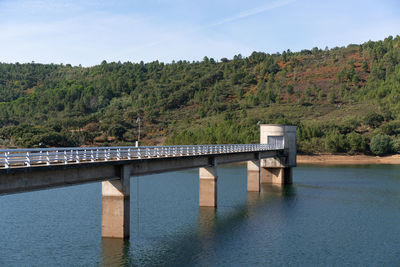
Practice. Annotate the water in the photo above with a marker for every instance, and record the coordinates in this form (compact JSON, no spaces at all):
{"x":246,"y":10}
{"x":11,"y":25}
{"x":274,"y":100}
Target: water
{"x":330,"y":216}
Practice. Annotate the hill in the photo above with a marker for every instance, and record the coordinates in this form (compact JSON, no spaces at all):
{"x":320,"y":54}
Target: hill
{"x":344,"y":99}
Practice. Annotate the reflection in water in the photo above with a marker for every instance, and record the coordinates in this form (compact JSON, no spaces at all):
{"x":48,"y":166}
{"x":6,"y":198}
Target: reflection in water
{"x":269,"y":192}
{"x":207,"y":222}
{"x":286,"y":191}
{"x":115,"y":251}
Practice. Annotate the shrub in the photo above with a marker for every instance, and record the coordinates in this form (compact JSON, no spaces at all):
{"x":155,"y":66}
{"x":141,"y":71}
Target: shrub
{"x":373,"y":119}
{"x":290,"y":89}
{"x":381,"y":144}
{"x":357,"y":142}
{"x":396,"y":146}
{"x":335,"y":142}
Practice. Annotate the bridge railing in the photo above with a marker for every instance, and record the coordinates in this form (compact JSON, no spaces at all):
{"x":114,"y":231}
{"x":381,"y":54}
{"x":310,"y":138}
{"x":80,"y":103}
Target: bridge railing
{"x":51,"y":156}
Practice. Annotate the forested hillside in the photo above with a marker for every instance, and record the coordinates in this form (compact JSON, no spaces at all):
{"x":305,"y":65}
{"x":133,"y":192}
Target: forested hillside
{"x":342,"y":100}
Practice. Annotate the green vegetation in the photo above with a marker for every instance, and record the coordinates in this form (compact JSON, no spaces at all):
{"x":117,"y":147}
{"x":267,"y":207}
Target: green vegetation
{"x":343,"y":100}
{"x":381,"y":144}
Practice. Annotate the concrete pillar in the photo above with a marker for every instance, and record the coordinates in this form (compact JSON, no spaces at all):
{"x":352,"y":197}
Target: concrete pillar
{"x":115,"y":200}
{"x":276,"y":175}
{"x":208,"y":186}
{"x":253,"y":176}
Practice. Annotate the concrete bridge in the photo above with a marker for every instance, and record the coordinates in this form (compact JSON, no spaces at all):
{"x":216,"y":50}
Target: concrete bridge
{"x":23,"y":170}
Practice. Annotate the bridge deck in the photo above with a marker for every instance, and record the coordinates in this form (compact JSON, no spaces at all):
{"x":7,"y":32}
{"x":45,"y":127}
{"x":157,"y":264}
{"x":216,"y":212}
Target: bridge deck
{"x":10,"y":158}
{"x":46,"y":168}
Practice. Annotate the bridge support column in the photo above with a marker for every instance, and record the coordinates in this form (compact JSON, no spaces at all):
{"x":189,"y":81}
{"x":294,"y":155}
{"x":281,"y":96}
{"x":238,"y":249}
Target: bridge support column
{"x":253,"y":175}
{"x":115,"y":217}
{"x":276,"y":175}
{"x":208,"y":186}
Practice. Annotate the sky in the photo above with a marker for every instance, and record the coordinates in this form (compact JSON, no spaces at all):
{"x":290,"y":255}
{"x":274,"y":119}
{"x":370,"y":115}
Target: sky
{"x":89,"y":31}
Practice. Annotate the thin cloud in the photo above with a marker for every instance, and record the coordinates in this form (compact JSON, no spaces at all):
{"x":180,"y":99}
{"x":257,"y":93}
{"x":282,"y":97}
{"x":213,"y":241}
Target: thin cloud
{"x":252,"y":12}
{"x":239,"y":16}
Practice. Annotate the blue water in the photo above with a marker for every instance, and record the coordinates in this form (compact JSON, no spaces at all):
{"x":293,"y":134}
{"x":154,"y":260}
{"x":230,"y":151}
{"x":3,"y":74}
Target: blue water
{"x":331,"y":216}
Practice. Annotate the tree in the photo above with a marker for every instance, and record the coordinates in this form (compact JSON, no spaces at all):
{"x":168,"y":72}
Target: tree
{"x":365,"y":66}
{"x":290,"y":89}
{"x":396,"y":146}
{"x":331,"y":97}
{"x":373,"y":119}
{"x":335,"y":142}
{"x":381,"y":144}
{"x":357,"y":142}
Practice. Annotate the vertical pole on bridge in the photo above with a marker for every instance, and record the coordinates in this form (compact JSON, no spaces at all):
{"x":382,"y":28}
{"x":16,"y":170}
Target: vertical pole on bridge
{"x":208,"y":185}
{"x":115,"y":217}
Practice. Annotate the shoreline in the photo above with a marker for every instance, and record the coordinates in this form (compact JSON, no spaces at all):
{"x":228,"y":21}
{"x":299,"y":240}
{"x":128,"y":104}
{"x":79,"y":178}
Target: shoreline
{"x":328,"y":159}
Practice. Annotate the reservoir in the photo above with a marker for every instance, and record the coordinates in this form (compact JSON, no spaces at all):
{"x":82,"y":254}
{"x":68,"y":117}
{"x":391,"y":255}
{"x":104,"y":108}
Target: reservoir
{"x":342,"y":215}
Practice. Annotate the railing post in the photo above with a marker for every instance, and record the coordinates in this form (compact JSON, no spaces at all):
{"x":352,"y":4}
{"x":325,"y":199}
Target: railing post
{"x":6,"y":162}
{"x":47,"y":158}
{"x":28,"y":160}
{"x":77,"y":156}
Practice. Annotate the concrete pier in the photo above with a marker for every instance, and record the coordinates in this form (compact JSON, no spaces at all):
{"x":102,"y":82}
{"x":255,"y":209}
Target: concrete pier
{"x":253,"y":176}
{"x":115,"y":200}
{"x":208,"y":186}
{"x":276,"y":175}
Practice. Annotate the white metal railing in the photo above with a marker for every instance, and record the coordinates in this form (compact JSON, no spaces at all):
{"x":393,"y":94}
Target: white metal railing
{"x":50,"y":156}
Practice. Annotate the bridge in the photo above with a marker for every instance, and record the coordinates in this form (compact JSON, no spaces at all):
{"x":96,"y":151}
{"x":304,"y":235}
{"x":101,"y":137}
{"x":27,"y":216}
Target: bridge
{"x":23,"y":170}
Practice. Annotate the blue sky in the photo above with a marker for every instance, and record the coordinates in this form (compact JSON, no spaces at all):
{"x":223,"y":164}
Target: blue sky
{"x":87,"y":32}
